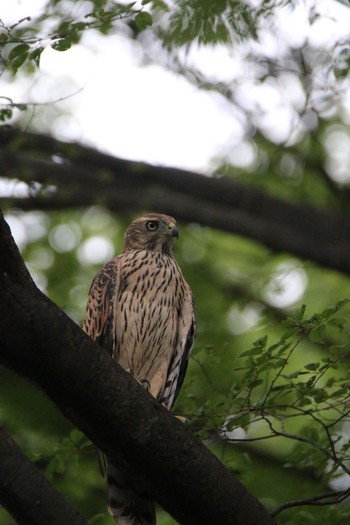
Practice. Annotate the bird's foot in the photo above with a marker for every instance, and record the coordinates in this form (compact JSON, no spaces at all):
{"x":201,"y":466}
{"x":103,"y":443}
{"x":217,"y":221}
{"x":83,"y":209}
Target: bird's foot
{"x":145,"y":383}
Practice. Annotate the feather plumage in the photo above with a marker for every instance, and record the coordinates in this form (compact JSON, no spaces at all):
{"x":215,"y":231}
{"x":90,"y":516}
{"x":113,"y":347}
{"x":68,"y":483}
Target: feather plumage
{"x":141,"y":310}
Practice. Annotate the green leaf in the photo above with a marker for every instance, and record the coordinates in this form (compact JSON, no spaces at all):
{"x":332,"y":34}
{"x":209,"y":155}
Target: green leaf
{"x":340,"y":392}
{"x":255,"y":382}
{"x":312,"y":366}
{"x":304,"y":401}
{"x":5,"y":114}
{"x":79,"y":26}
{"x":76,"y":436}
{"x":18,"y":51}
{"x":320,"y":395}
{"x":295,"y":374}
{"x":62,"y":44}
{"x":311,"y":380}
{"x":312,"y":433}
{"x":328,"y":312}
{"x":64,"y":26}
{"x":291,"y":332}
{"x":252,"y":351}
{"x":261,"y":342}
{"x":18,"y":56}
{"x":126,"y":7}
{"x":35,"y":55}
{"x":21,"y":107}
{"x":317,"y":334}
{"x":279,"y":363}
{"x":340,"y":350}
{"x":143,"y":20}
{"x":300,"y":313}
{"x":339,"y":322}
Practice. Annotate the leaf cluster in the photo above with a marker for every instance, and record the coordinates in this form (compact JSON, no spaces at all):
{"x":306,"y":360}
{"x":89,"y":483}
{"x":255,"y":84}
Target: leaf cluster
{"x":21,"y":45}
{"x":308,"y":406}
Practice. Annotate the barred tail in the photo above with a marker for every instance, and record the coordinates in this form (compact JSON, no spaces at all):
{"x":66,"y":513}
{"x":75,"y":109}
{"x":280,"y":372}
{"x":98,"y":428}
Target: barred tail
{"x":129,"y":505}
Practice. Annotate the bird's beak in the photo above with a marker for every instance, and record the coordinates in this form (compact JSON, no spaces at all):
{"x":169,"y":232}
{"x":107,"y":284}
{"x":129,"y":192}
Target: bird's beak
{"x":173,"y":230}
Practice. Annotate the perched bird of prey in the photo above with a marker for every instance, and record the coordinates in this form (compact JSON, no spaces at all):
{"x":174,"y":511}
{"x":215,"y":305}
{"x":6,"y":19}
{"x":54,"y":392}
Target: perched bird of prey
{"x":141,"y":310}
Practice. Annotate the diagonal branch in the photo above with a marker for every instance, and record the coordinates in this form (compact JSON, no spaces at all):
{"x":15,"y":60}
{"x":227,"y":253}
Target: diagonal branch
{"x":27,"y":494}
{"x":321,"y":235}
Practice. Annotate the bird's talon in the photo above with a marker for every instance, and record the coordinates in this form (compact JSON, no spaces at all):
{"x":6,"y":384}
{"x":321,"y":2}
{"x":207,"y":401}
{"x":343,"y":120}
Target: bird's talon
{"x":144,"y":383}
{"x":183,"y":419}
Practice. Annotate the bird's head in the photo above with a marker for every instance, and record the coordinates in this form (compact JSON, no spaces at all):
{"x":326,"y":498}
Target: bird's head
{"x":153,"y":231}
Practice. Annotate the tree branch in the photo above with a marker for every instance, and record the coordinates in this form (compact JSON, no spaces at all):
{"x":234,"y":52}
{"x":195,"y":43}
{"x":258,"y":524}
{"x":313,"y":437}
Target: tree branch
{"x":40,"y":342}
{"x":27,"y":494}
{"x":322,"y":236}
{"x":329,"y":498}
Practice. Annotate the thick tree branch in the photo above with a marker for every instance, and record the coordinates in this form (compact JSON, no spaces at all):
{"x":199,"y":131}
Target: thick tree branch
{"x":124,"y":421}
{"x":27,"y":494}
{"x":322,"y":236}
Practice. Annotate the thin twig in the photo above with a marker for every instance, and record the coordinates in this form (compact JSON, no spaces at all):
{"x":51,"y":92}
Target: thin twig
{"x":331,"y":497}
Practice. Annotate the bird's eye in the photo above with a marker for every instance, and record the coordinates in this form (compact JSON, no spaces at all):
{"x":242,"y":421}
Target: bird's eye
{"x":152,"y":225}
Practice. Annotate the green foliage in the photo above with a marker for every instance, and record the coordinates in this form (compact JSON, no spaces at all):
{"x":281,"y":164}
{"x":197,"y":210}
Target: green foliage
{"x":18,"y":55}
{"x":143,"y":20}
{"x":20,"y":45}
{"x":5,"y":114}
{"x":303,"y":408}
{"x":66,"y":453}
{"x":206,"y":22}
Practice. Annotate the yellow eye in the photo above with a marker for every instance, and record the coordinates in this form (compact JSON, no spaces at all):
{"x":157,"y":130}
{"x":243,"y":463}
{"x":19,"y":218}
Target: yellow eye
{"x":152,"y":226}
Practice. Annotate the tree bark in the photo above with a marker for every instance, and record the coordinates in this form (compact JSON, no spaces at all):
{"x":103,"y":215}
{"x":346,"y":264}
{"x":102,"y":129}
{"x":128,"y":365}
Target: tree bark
{"x":40,"y":342}
{"x":320,"y":235}
{"x":27,"y":494}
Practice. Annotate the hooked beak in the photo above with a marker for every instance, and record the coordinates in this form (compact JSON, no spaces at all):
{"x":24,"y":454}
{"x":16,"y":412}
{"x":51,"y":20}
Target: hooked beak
{"x":174,"y":232}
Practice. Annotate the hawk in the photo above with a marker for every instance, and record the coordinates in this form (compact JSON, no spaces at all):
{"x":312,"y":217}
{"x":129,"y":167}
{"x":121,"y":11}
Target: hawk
{"x":141,"y":310}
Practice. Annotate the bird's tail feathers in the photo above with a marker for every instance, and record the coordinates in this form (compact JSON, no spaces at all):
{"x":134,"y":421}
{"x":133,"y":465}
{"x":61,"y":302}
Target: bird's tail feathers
{"x":128,"y":504}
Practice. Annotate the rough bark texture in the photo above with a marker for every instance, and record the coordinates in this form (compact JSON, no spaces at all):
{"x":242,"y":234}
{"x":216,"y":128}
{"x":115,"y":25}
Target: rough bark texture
{"x":26,"y":493}
{"x":323,"y":236}
{"x":40,"y":342}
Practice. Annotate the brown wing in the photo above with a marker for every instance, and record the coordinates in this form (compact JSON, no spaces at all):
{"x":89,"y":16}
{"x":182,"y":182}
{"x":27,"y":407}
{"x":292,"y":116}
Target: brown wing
{"x":99,"y":322}
{"x":182,"y":351}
